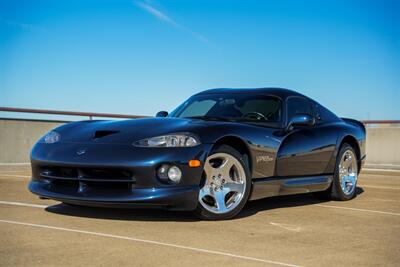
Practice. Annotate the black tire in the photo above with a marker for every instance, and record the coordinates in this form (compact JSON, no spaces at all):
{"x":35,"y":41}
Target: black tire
{"x":203,"y":213}
{"x":335,"y":191}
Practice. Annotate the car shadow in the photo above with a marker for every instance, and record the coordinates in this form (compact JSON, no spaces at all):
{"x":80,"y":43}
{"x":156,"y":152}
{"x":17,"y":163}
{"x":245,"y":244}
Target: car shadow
{"x":251,"y":208}
{"x":122,"y":214}
{"x":279,"y":202}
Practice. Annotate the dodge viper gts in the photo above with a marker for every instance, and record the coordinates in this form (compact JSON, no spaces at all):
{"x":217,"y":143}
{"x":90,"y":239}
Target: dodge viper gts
{"x":212,"y":154}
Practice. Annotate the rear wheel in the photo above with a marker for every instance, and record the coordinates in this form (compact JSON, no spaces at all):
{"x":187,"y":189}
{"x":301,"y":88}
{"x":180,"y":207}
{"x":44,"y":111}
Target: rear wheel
{"x":345,"y":177}
{"x":226,"y":186}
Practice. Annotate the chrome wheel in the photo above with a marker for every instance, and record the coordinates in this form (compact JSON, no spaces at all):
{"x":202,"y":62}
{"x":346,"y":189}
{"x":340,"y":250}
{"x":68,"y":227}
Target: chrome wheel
{"x":348,"y":172}
{"x":225,"y":183}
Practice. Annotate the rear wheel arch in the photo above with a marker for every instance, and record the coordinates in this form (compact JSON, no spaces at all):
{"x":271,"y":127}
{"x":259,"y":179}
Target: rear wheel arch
{"x":352,"y":141}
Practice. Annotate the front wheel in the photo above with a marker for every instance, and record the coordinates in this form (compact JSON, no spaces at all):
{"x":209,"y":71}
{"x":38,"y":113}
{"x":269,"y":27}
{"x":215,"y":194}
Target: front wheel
{"x":226,"y":186}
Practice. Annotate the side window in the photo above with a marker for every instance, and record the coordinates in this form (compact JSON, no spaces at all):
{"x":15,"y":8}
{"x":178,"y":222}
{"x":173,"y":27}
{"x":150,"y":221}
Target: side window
{"x":298,"y":105}
{"x":269,"y":107}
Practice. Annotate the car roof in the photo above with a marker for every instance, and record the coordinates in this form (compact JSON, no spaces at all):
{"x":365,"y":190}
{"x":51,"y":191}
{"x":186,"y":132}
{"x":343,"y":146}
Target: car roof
{"x":279,"y":92}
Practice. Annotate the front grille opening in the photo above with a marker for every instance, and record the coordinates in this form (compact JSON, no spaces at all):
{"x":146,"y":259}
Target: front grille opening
{"x":94,"y":174}
{"x":107,"y":174}
{"x":103,"y":179}
{"x":64,"y":172}
{"x":107,"y":179}
{"x":73,"y":185}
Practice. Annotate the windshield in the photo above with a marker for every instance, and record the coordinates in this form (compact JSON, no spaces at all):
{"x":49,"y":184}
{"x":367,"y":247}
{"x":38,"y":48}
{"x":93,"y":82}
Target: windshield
{"x":235,"y":107}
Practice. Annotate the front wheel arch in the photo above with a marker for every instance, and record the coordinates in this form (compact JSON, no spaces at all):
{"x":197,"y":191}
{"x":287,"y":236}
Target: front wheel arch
{"x":239,"y":145}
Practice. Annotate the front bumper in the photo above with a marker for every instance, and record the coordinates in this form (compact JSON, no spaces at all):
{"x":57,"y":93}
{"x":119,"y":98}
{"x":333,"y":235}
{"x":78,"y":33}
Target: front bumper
{"x":173,"y":198}
{"x":142,"y":189}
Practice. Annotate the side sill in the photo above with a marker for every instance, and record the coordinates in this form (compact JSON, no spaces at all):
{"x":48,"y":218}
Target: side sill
{"x":274,"y":186}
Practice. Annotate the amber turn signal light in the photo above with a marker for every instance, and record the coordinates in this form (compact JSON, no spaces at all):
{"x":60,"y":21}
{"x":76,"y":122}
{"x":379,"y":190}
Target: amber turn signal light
{"x":194,"y":163}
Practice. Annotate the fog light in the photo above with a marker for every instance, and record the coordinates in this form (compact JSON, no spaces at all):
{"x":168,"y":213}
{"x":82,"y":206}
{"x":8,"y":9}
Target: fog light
{"x":162,"y":172}
{"x":174,"y":174}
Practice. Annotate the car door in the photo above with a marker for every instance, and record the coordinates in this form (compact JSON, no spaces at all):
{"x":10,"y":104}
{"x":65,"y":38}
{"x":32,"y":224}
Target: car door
{"x":305,"y":150}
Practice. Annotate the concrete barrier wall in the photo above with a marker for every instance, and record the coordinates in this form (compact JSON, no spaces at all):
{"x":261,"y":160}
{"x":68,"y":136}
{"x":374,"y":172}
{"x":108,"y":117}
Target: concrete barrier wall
{"x":18,"y":136}
{"x":383,"y":147}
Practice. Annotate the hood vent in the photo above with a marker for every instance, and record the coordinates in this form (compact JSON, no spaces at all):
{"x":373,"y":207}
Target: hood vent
{"x":101,"y":134}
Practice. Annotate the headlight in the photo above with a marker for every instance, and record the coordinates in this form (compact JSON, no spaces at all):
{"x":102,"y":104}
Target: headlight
{"x":51,"y":137}
{"x":171,"y":140}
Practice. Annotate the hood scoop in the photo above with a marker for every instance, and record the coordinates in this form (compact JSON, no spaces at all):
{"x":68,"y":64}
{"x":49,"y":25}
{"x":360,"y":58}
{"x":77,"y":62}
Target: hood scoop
{"x":102,"y":133}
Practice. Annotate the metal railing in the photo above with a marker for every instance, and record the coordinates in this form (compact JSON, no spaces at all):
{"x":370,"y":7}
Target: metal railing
{"x":92,"y":115}
{"x":381,"y":121}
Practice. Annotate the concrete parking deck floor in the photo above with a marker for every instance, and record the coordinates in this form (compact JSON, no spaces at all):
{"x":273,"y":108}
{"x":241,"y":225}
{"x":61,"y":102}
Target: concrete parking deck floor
{"x":282,"y":231}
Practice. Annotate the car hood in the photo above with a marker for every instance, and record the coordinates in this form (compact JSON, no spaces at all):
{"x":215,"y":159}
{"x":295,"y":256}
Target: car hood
{"x":129,"y":131}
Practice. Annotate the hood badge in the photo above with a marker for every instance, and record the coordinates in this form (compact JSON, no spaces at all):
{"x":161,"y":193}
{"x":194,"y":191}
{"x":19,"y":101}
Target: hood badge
{"x":81,"y":151}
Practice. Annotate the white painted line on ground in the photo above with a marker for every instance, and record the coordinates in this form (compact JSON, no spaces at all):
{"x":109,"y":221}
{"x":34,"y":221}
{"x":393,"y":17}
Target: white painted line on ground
{"x":289,"y":227}
{"x":13,"y":171}
{"x":150,"y":242}
{"x":356,"y":209}
{"x":382,"y":200}
{"x":23,"y":204}
{"x":378,"y":166}
{"x":15,"y":164}
{"x":15,"y":175}
{"x":381,"y":170}
{"x":379,"y":187}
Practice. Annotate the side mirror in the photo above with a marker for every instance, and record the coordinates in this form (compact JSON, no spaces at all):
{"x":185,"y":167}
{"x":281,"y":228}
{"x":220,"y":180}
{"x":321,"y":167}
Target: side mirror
{"x":162,"y":114}
{"x":300,"y":120}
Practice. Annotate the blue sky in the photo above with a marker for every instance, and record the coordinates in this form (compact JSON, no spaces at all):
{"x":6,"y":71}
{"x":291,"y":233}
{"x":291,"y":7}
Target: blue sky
{"x":138,"y":57}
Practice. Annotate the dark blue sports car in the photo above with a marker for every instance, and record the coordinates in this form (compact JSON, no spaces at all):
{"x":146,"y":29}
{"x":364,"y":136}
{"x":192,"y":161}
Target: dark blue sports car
{"x":216,"y":151}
